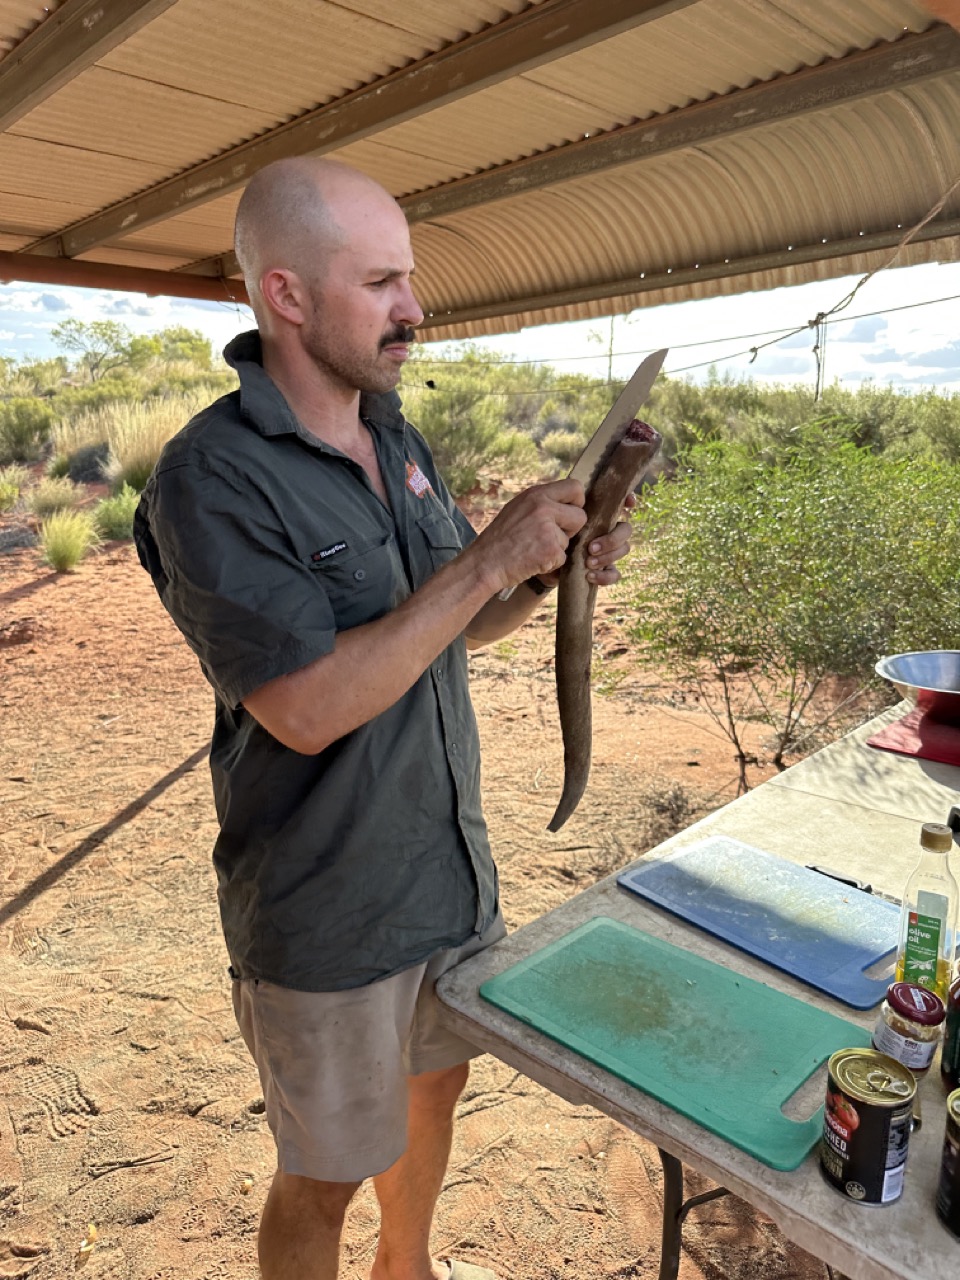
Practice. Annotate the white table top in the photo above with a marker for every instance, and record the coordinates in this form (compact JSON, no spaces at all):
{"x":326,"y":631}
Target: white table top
{"x":849,"y":808}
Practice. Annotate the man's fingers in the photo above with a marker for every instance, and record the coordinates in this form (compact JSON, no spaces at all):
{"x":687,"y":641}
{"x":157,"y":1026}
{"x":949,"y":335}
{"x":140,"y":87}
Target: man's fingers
{"x":566,"y":491}
{"x":605,"y":551}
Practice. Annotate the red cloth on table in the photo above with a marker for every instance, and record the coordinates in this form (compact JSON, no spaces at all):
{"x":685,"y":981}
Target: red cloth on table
{"x":917,"y":734}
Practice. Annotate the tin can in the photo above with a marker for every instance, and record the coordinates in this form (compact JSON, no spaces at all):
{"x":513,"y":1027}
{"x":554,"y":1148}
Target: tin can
{"x":948,"y":1189}
{"x":866,"y":1125}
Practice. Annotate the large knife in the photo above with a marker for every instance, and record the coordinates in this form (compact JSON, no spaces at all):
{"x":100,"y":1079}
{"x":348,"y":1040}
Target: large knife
{"x":612,"y":428}
{"x":619,"y":418}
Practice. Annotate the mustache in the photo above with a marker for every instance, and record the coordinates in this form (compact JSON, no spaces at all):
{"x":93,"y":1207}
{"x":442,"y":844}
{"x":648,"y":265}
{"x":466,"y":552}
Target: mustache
{"x":401,"y":333}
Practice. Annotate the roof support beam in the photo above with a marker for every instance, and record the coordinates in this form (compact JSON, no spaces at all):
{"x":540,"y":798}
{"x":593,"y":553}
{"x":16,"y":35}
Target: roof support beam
{"x":859,"y":75}
{"x":100,"y":275}
{"x":63,"y":45}
{"x":652,"y":281}
{"x":538,"y":35}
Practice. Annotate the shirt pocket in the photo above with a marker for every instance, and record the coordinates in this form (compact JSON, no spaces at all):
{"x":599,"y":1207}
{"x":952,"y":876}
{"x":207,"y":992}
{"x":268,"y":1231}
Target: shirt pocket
{"x":441,"y":536}
{"x":362,"y":582}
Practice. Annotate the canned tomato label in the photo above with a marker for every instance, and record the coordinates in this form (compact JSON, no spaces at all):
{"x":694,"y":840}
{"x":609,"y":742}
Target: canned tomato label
{"x":866,"y":1125}
{"x":948,"y":1189}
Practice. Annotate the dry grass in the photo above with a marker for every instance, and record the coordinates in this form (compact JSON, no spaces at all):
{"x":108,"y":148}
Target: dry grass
{"x":135,"y":433}
{"x":66,"y":537}
{"x":52,"y":495}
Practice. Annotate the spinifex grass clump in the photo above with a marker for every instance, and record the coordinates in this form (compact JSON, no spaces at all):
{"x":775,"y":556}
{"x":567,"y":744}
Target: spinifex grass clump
{"x":54,"y":494}
{"x":137,"y":434}
{"x":66,"y":537}
{"x":114,"y":516}
{"x":12,"y":483}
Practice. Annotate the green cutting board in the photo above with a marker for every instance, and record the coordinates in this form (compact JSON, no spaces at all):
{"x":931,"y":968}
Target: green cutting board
{"x":720,"y":1048}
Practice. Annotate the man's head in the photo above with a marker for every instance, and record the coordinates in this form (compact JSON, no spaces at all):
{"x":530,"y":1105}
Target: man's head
{"x":326,"y":256}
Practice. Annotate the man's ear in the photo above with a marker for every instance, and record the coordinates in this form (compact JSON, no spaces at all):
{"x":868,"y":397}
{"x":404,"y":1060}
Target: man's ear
{"x":283,"y":292}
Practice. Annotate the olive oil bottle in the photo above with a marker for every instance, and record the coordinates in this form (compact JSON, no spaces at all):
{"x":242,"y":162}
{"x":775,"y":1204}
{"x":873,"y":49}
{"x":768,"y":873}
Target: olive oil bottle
{"x":928,"y":917}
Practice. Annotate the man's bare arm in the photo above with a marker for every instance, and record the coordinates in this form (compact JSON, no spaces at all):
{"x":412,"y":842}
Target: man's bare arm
{"x":373,"y":665}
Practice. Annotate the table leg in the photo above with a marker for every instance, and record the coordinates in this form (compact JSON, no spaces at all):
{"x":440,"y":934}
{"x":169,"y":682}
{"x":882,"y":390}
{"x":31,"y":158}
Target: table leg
{"x":675,"y":1209}
{"x":672,"y":1221}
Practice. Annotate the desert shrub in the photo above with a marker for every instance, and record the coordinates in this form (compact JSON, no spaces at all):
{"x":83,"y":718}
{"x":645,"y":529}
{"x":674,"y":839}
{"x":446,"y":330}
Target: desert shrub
{"x":137,"y":433}
{"x":564,"y":447}
{"x":12,"y":482}
{"x":757,"y":581}
{"x":88,"y":465}
{"x":464,"y":427}
{"x":52,"y":495}
{"x":114,"y":516}
{"x":66,"y":537}
{"x":25,"y":425}
{"x":73,"y":432}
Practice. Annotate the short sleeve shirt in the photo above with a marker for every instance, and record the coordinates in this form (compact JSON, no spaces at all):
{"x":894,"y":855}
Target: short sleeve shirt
{"x":337,"y":869}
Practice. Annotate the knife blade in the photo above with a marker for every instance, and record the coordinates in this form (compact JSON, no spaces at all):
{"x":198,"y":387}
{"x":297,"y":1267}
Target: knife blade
{"x":614,"y":424}
{"x":619,"y":418}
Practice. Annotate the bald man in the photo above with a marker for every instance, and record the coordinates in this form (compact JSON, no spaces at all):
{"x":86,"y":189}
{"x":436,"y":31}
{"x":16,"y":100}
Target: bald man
{"x":301,"y":538}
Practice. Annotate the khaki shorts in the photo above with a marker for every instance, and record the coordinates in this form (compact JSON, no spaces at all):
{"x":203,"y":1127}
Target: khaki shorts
{"x":333,"y":1064}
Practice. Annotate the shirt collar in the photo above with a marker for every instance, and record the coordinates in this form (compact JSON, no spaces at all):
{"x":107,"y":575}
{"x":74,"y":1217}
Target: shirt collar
{"x":262,"y":403}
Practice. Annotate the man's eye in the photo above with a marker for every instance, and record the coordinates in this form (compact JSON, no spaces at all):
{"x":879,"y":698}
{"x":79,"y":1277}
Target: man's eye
{"x":378,"y":284}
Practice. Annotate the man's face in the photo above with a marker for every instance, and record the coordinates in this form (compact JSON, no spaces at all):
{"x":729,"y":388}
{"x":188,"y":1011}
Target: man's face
{"x":364,"y":308}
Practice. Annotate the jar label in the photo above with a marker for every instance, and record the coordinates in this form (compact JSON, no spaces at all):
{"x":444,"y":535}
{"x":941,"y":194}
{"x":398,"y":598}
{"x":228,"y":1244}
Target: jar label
{"x":915,"y":1054}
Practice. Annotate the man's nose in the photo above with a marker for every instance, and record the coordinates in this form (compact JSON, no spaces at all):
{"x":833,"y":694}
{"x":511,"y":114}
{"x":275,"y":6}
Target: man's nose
{"x":408,"y":309}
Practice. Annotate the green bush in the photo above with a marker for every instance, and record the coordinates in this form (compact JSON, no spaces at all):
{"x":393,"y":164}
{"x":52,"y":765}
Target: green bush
{"x":12,"y":482}
{"x":463,"y":425}
{"x":756,"y":581}
{"x":564,"y":447}
{"x":52,"y":495}
{"x":114,"y":516}
{"x":24,"y":429}
{"x":66,"y":537}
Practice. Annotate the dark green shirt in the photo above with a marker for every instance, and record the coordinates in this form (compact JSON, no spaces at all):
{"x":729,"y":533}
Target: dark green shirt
{"x":341,"y":868}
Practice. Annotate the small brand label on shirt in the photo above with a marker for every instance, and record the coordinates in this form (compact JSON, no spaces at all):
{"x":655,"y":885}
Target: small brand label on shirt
{"x":417,"y":482}
{"x":332,"y":550}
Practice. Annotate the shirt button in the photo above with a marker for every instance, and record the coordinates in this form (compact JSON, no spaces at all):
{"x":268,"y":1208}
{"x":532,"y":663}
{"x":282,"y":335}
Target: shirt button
{"x":359,"y":574}
{"x":439,"y":673}
{"x":453,"y":748}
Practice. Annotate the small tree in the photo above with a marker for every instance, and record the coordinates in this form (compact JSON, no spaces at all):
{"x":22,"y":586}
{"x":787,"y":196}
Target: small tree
{"x":99,"y":345}
{"x":757,"y":581}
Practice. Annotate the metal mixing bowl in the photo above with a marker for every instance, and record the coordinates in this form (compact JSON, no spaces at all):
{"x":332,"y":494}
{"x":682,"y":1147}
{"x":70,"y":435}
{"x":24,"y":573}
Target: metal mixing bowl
{"x":929,"y":679}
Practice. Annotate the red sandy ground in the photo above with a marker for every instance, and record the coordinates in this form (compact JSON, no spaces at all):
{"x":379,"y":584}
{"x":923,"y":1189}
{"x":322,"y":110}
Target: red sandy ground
{"x":126,"y":1095}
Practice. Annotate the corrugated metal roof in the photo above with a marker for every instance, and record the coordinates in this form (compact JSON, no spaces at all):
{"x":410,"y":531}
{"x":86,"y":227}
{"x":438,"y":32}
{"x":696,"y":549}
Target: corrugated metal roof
{"x":18,"y":18}
{"x":207,"y":76}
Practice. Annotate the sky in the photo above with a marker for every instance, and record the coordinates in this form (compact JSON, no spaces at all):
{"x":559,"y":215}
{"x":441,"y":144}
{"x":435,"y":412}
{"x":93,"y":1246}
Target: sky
{"x":883,"y":336}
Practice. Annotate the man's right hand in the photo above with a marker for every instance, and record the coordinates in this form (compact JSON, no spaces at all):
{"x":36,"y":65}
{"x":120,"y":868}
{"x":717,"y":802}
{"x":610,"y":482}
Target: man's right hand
{"x":531,"y":534}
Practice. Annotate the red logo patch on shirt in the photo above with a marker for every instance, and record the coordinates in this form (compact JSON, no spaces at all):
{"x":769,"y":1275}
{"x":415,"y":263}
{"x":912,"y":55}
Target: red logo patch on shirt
{"x":417,"y":482}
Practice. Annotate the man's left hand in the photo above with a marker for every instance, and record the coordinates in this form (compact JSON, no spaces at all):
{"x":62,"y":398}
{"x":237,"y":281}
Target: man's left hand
{"x":603,"y":553}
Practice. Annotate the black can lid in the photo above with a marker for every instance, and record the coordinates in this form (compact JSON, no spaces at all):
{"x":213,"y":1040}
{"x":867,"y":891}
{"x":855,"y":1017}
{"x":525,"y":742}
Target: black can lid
{"x":916,"y":1003}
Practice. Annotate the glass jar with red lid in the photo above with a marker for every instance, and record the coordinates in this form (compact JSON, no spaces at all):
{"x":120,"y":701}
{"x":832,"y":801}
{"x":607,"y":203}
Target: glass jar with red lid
{"x":908,"y":1027}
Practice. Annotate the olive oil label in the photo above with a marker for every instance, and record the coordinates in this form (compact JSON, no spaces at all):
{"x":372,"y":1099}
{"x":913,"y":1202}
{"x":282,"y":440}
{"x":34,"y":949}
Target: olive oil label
{"x":923,"y":943}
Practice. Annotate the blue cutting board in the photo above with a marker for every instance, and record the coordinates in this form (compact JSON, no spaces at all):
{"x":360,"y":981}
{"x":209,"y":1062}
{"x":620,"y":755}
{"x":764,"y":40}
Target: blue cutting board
{"x":723,"y":1050}
{"x":821,"y":931}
